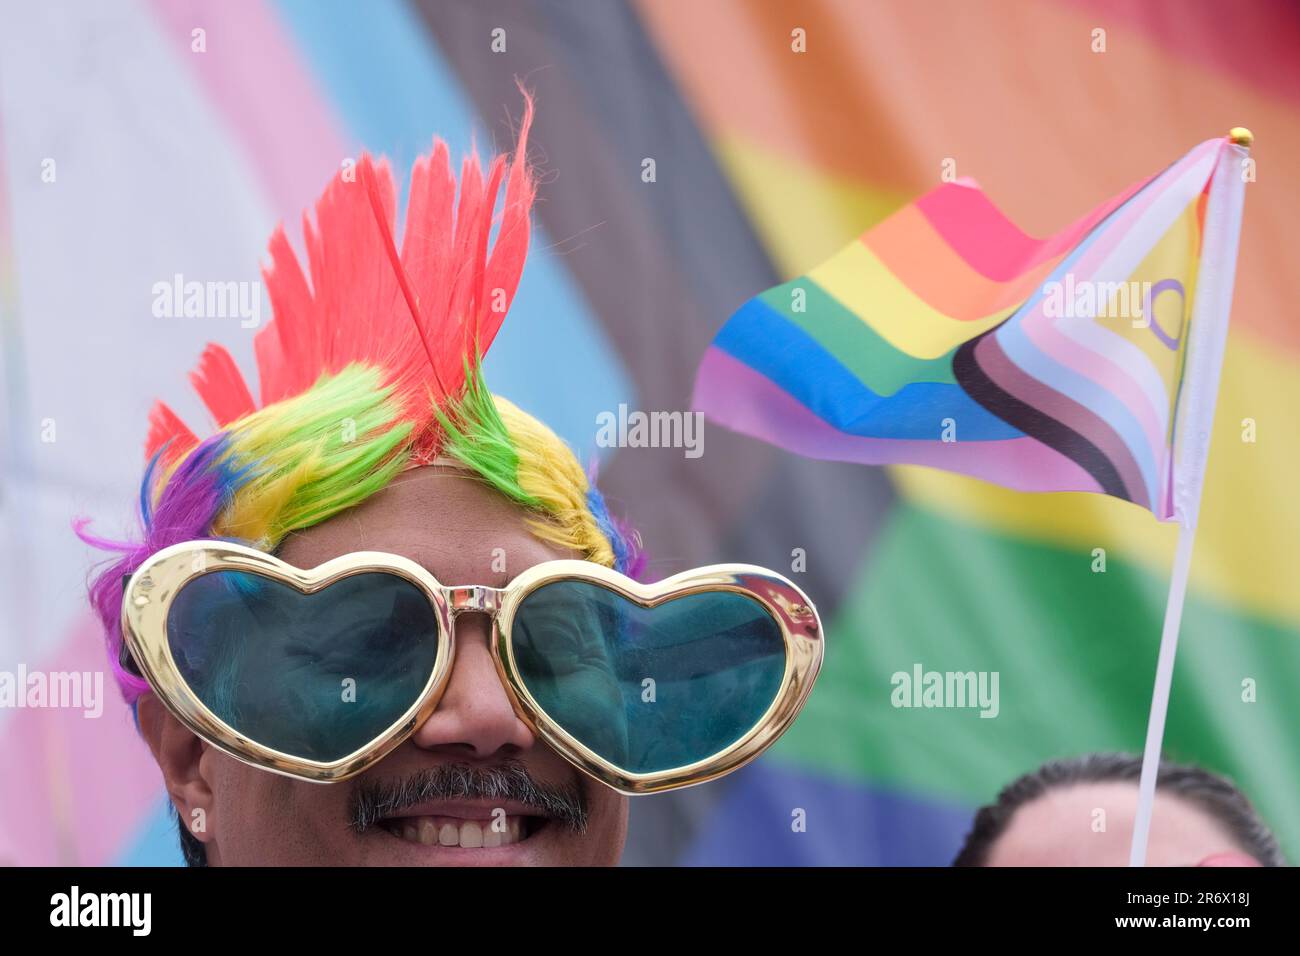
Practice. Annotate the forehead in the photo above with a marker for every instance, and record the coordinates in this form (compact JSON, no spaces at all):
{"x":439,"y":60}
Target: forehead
{"x":450,"y":521}
{"x":1091,"y":824}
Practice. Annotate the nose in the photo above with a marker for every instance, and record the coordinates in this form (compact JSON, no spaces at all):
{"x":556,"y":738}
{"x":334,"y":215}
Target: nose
{"x":474,"y":718}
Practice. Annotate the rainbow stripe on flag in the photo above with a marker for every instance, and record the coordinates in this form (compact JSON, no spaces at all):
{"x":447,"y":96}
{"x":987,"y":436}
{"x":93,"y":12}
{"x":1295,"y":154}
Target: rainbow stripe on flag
{"x":945,"y":336}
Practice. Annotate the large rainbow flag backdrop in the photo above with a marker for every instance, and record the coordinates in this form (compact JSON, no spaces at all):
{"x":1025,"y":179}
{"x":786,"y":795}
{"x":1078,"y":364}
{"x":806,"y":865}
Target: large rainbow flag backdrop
{"x":945,"y":336}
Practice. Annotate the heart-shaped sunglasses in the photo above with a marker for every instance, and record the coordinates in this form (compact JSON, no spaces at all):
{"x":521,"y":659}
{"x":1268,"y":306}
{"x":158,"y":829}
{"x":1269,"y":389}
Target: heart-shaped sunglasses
{"x":319,"y":673}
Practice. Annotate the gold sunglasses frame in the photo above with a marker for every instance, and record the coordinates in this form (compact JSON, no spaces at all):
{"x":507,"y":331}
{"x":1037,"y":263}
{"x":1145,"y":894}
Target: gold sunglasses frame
{"x":148,"y":595}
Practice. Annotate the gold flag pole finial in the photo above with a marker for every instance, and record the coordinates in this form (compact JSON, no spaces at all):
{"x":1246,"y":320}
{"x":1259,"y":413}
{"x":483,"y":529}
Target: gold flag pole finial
{"x":1241,"y":136}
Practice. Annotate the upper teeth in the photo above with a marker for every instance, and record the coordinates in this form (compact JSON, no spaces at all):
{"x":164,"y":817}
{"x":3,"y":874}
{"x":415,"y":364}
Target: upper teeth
{"x":452,"y":831}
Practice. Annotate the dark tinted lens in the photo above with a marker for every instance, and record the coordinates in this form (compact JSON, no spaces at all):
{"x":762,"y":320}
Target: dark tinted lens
{"x":312,"y":675}
{"x":648,"y":689}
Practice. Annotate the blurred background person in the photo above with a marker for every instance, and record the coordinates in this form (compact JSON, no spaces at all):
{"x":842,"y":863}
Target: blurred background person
{"x":1079,"y":811}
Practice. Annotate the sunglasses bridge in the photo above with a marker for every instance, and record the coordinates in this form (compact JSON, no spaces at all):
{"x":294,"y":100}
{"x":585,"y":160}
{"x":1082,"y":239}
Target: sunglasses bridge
{"x":473,"y":597}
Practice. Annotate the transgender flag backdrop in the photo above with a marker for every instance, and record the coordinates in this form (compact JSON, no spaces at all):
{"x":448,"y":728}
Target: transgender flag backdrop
{"x":131,"y":152}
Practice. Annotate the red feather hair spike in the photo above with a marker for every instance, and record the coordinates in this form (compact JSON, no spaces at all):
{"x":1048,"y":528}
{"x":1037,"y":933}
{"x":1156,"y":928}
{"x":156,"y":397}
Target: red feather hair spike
{"x":166,"y":429}
{"x":419,"y":310}
{"x":220,"y":384}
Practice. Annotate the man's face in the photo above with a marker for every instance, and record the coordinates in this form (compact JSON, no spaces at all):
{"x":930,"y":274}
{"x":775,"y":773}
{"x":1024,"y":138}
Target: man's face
{"x":471,"y":763}
{"x":1092,"y":825}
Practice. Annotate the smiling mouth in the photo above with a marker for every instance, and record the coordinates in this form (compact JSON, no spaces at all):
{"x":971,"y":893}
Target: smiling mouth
{"x":466,"y":834}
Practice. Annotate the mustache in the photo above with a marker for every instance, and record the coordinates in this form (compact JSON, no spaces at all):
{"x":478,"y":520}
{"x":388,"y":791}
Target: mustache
{"x":374,"y":800}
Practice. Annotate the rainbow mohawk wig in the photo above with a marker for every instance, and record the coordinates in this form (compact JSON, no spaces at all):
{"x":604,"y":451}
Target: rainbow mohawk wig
{"x":371,"y":365}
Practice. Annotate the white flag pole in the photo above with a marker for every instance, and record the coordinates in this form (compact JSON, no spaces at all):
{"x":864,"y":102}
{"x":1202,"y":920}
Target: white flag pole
{"x":1207,"y":336}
